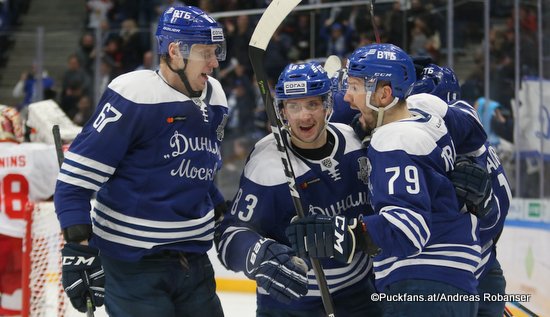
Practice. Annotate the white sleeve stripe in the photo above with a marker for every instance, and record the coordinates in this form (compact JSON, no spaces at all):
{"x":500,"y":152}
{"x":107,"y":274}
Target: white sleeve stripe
{"x":417,"y":261}
{"x":347,"y":271}
{"x":416,"y":229}
{"x":475,"y":248}
{"x":401,"y":226}
{"x":180,"y":234}
{"x":386,"y":261}
{"x":89,"y":162}
{"x":414,"y":214}
{"x":227,"y":237}
{"x":77,"y":182}
{"x":140,"y":243}
{"x":462,"y":255}
{"x":152,"y":223}
{"x":81,"y":172}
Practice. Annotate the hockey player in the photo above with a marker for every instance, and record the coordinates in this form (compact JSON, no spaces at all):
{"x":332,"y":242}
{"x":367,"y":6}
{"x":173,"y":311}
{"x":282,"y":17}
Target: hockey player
{"x":341,"y":111}
{"x":27,"y":174}
{"x":151,"y":152}
{"x":330,"y":167}
{"x":443,"y":83}
{"x":422,"y":244}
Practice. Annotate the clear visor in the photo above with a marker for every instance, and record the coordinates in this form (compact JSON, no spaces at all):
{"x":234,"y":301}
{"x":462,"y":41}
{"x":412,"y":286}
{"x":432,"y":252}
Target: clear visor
{"x":294,"y":106}
{"x":203,"y":52}
{"x":356,"y":86}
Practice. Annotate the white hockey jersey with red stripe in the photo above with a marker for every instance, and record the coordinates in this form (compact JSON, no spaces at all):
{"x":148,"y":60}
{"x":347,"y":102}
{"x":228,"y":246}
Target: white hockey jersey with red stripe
{"x":28,"y":172}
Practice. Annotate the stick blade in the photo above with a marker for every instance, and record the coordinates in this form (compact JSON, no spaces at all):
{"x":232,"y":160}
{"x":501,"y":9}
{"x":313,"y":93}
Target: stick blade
{"x":332,"y":65}
{"x":272,"y":17}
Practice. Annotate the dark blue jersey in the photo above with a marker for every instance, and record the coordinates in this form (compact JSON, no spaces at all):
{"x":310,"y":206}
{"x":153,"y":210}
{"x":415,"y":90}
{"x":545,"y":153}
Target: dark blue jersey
{"x":470,"y":139}
{"x":151,"y":154}
{"x":422,"y":233}
{"x":335,"y":185}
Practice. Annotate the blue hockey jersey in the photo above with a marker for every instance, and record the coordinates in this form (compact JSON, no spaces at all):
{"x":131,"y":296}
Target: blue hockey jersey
{"x":419,"y":227}
{"x":263,"y":208}
{"x":151,"y":154}
{"x":470,"y":139}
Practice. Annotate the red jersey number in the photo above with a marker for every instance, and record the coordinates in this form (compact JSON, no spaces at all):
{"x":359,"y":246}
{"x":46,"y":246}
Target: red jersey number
{"x":14,"y":195}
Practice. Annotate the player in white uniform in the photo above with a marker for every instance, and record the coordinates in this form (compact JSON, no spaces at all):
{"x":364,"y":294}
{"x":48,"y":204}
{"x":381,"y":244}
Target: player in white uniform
{"x":27,"y":174}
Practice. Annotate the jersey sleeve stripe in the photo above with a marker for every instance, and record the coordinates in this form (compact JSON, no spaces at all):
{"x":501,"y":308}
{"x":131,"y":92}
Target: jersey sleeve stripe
{"x":420,"y":261}
{"x":140,"y":243}
{"x":90,"y":162}
{"x":77,"y":182}
{"x":180,"y":225}
{"x":67,"y":168}
{"x":227,"y":238}
{"x":149,"y":232}
{"x":419,"y":219}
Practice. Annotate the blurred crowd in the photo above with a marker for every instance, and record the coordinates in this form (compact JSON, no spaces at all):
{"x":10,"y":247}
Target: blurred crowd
{"x":421,"y":29}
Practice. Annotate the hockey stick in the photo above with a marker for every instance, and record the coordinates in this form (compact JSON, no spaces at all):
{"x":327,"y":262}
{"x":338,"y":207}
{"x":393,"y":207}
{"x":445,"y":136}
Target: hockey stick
{"x":374,"y":27}
{"x":332,"y":65}
{"x":60,"y":157}
{"x":270,"y":20}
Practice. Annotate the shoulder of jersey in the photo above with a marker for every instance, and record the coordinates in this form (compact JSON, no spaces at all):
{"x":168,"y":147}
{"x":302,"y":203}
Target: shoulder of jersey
{"x":218,"y":95}
{"x":410,"y":136}
{"x":264,"y":166}
{"x":147,"y":87}
{"x":352,"y":141}
{"x":428,"y":103}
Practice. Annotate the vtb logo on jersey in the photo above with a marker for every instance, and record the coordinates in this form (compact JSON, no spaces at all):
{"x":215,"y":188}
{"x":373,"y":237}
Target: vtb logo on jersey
{"x":364,"y":169}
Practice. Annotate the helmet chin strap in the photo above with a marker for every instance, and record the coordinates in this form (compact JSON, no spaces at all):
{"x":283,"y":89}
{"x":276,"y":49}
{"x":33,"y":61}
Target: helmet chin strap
{"x":379,"y":110}
{"x":183,"y":77}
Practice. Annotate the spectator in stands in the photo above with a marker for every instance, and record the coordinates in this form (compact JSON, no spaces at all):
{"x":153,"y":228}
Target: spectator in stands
{"x":85,"y":110}
{"x":132,"y":47}
{"x":147,"y":61}
{"x":113,"y":51}
{"x":486,"y":114}
{"x":25,"y":87}
{"x":97,"y":10}
{"x":394,"y":24}
{"x":76,"y":83}
{"x":337,"y":40}
{"x":86,"y":52}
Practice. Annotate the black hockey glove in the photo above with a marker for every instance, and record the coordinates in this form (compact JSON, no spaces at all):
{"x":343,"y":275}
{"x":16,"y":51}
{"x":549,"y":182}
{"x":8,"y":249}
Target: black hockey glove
{"x":321,"y":236}
{"x":360,"y":131}
{"x":276,"y":270}
{"x":82,"y":275}
{"x":473,"y":186}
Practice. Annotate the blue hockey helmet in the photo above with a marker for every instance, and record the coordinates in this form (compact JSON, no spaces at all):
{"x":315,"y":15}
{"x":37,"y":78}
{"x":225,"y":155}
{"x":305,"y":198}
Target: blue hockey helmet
{"x":188,"y":25}
{"x":385,"y":62}
{"x":438,"y":81}
{"x":304,"y":80}
{"x":342,"y":111}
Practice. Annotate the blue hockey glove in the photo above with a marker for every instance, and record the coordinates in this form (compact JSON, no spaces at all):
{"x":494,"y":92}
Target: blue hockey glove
{"x":82,"y":275}
{"x":360,"y":131}
{"x":276,"y":270}
{"x":321,"y":236}
{"x":473,"y":186}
